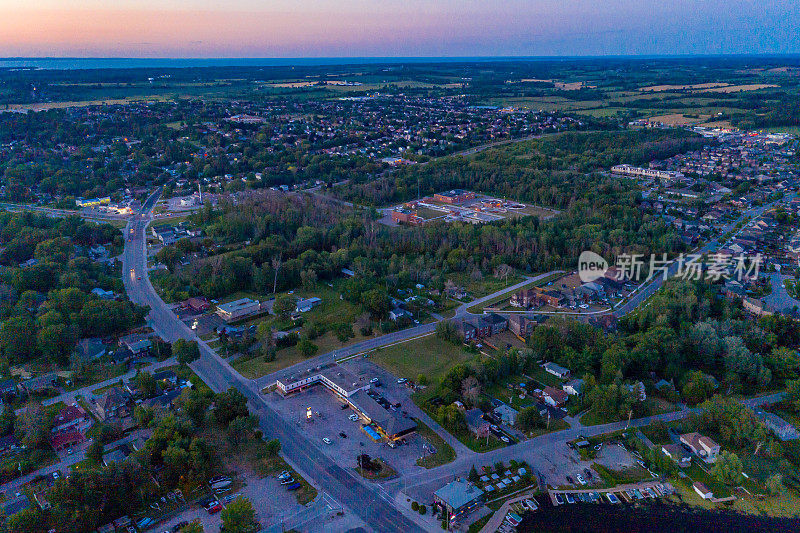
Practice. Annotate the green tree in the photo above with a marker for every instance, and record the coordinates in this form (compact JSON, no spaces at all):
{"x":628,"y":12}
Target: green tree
{"x":529,"y":419}
{"x":26,"y":521}
{"x":473,"y":475}
{"x":272,"y":447}
{"x":15,"y":339}
{"x":284,"y":306}
{"x":195,"y":404}
{"x":698,"y":388}
{"x":452,"y":418}
{"x":229,"y":406}
{"x":147,"y":384}
{"x":95,"y":451}
{"x":186,"y":351}
{"x":241,"y":428}
{"x":774,"y":484}
{"x":307,"y":348}
{"x":793,"y":394}
{"x":193,"y":527}
{"x":143,"y":415}
{"x":33,"y":425}
{"x":728,"y":468}
{"x":239,"y":517}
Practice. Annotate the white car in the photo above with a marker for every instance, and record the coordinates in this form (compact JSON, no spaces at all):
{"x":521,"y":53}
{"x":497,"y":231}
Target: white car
{"x":326,"y":440}
{"x":580,"y":479}
{"x":353,"y":417}
{"x":401,"y":381}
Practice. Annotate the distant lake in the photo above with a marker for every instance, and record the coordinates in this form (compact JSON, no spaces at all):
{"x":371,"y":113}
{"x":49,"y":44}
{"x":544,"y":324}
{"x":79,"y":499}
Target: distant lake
{"x":77,"y":63}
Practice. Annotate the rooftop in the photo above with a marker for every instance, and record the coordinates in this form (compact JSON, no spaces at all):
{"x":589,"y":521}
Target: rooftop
{"x":235,"y":305}
{"x":458,"y":493}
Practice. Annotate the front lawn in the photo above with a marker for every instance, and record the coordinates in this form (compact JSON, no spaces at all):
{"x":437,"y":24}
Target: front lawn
{"x":444,"y":452}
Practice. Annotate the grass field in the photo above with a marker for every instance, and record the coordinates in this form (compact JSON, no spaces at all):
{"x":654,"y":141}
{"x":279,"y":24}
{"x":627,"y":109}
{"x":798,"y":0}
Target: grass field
{"x":430,"y":356}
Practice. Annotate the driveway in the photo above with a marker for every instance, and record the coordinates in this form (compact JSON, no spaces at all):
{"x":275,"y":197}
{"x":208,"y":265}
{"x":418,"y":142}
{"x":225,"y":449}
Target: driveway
{"x":779,"y":299}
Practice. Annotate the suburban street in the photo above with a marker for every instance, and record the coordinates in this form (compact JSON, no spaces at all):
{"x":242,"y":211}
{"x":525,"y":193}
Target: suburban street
{"x":537,"y":450}
{"x":373,"y":503}
{"x":363,"y":500}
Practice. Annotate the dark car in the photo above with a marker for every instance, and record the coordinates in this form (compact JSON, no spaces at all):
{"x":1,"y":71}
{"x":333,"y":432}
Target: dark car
{"x":569,"y":479}
{"x":180,"y":525}
{"x":294,"y":486}
{"x":343,"y":435}
{"x":587,"y":472}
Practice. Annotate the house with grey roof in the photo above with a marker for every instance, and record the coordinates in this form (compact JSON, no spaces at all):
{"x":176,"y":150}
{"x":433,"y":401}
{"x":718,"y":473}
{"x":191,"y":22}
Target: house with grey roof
{"x":458,"y":498}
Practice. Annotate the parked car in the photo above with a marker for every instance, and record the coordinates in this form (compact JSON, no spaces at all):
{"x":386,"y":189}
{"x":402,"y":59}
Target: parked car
{"x":505,"y":439}
{"x":287,"y":481}
{"x":611,"y":497}
{"x":569,"y":479}
{"x":588,"y":473}
{"x":559,"y":499}
{"x":294,"y":486}
{"x":580,"y":479}
{"x":401,"y":381}
{"x":353,"y":417}
{"x":343,"y":434}
{"x":570,"y":498}
{"x":326,"y":440}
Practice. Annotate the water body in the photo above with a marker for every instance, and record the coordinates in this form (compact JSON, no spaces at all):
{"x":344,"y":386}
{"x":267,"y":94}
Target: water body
{"x":91,"y":63}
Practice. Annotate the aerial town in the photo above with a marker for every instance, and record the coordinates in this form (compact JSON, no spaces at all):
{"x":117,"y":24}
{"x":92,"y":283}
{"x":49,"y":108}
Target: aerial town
{"x":357,"y":299}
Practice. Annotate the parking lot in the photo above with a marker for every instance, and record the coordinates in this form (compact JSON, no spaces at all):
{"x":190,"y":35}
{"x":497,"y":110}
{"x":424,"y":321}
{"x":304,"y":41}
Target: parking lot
{"x":271,"y":502}
{"x":347,"y":438}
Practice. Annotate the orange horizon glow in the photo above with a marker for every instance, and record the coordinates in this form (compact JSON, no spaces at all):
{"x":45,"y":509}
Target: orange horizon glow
{"x":325,"y":28}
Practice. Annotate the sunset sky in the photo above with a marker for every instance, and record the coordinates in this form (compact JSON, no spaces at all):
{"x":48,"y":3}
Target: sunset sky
{"x":333,"y":28}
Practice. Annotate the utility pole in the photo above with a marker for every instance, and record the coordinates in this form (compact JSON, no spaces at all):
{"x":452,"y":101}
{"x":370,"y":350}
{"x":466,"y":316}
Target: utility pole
{"x":630,"y":413}
{"x":276,"y":265}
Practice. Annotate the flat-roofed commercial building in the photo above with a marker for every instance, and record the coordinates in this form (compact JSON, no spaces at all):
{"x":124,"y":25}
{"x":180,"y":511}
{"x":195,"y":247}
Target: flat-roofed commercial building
{"x":237,"y":309}
{"x":350,"y":389}
{"x":388,"y":423}
{"x":336,"y":378}
{"x":456,"y":196}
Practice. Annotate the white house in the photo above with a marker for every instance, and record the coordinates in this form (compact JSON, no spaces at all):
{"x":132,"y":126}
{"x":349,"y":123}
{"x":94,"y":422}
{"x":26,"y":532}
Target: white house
{"x":574,"y":387}
{"x":702,"y":490}
{"x":702,"y":446}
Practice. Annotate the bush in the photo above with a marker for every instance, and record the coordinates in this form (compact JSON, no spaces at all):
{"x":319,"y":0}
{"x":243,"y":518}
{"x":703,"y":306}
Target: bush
{"x":422,"y":509}
{"x":414,"y":506}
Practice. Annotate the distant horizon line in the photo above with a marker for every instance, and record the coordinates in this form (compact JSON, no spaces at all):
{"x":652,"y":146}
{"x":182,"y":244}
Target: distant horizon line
{"x":310,"y":58}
